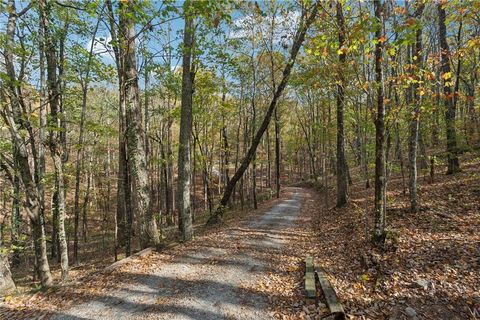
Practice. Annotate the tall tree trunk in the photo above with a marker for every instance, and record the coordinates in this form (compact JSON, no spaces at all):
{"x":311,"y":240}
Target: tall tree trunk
{"x":184,"y":166}
{"x":141,"y":210}
{"x":342,"y":174}
{"x":79,"y":158}
{"x":237,"y":149}
{"x":123,"y":183}
{"x":297,"y":43}
{"x":452,"y":150}
{"x":380,"y":156}
{"x":56,"y":148}
{"x":414,"y":122}
{"x":41,"y":142}
{"x":253,"y":127}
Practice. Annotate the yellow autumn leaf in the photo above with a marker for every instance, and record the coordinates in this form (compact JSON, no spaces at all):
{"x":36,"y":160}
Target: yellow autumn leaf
{"x":446,"y":75}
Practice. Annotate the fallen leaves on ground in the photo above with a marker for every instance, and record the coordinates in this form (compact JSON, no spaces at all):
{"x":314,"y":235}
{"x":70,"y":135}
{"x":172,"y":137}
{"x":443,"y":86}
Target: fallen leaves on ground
{"x":429,"y":267}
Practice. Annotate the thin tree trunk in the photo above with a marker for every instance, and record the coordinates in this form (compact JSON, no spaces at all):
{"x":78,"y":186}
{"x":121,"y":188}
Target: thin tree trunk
{"x":399,"y":155}
{"x":311,"y":153}
{"x":277,"y":153}
{"x":15,"y":219}
{"x":79,"y":158}
{"x":171,"y":189}
{"x":41,"y":148}
{"x":414,"y":122}
{"x":268,"y":183}
{"x":123,"y":183}
{"x":380,"y":156}
{"x":253,"y":127}
{"x":166,"y":182}
{"x":342,"y":174}
{"x":86,"y":202}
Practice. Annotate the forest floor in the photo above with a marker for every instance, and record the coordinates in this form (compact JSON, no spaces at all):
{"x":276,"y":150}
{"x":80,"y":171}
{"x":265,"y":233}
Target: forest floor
{"x":243,"y":269}
{"x":430,"y":265}
{"x":252,"y":266}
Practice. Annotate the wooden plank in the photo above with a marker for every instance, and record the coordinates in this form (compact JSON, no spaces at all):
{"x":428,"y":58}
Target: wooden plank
{"x":330,"y":295}
{"x":309,"y":264}
{"x":310,"y":289}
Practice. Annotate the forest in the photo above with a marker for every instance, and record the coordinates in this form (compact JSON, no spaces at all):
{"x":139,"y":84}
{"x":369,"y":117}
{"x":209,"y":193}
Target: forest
{"x":186,"y":159}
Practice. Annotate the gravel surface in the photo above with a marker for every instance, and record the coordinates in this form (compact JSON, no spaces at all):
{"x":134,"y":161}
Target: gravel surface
{"x":210,"y":278}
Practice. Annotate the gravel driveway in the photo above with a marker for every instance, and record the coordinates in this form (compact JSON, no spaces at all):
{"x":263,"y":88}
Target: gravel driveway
{"x":213,"y":277}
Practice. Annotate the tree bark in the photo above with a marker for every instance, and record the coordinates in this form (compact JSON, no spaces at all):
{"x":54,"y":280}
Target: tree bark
{"x":56,"y":148}
{"x":414,"y":122}
{"x":380,"y":156}
{"x":253,"y":127}
{"x":79,"y":158}
{"x":277,"y":153}
{"x":123,"y":183}
{"x":86,"y":202}
{"x":6,"y":282}
{"x":452,"y":149}
{"x":184,"y":166}
{"x":16,"y":219}
{"x":342,"y":174}
{"x":149,"y":235}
